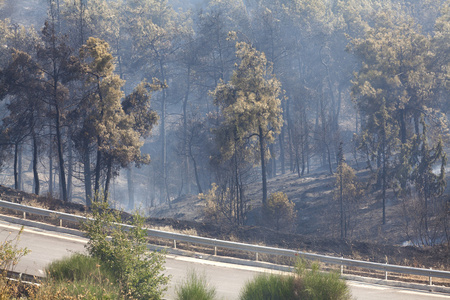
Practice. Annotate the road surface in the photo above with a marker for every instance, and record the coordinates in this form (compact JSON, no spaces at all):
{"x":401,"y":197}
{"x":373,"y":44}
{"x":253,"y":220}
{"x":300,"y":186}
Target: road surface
{"x":227,"y":278}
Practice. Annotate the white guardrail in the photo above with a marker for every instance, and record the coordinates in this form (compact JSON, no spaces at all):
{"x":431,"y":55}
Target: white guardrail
{"x":244,"y":247}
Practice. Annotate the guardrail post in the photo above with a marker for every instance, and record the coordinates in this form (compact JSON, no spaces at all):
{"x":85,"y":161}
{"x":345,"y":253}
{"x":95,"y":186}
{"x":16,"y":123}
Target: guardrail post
{"x":174,"y":244}
{"x":24,"y":215}
{"x":430,"y":279}
{"x":256,"y":256}
{"x":215,"y":250}
{"x":60,"y":222}
{"x":386,"y":274}
{"x":342,"y":268}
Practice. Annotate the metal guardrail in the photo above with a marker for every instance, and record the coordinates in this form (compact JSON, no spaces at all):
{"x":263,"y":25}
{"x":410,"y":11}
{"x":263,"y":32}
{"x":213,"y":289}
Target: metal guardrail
{"x":244,"y":247}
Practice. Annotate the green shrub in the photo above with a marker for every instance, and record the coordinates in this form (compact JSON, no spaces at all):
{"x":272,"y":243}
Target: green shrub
{"x":10,"y":254}
{"x":316,"y":285}
{"x":195,"y":288}
{"x":79,"y":289}
{"x":78,"y":276}
{"x":280,"y":210}
{"x":306,"y":284}
{"x":124,"y":252}
{"x":320,"y":286}
{"x":269,"y":286}
{"x":76,"y":267}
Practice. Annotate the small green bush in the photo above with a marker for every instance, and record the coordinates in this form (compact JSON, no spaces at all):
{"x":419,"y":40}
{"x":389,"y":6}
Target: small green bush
{"x":316,"y":285}
{"x":79,"y":289}
{"x":78,"y":275}
{"x":320,"y":286}
{"x":77,"y":267}
{"x":306,"y":284}
{"x":195,"y":288}
{"x":124,"y":252}
{"x":269,"y":286}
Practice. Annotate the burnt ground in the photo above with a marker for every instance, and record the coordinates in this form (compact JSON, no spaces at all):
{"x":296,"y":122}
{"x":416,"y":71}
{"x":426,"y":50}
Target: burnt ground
{"x":315,"y":231}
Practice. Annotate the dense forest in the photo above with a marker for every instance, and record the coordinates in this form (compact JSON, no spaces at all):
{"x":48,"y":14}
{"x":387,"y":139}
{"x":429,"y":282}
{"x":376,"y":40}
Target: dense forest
{"x":206,"y":97}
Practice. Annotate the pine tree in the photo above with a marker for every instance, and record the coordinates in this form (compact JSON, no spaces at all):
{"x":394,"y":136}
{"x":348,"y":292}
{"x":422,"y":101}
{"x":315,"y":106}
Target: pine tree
{"x":346,"y":191}
{"x":250,"y":103}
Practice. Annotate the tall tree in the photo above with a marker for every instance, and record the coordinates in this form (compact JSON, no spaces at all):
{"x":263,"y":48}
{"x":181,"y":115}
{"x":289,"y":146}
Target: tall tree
{"x":21,"y":80}
{"x":428,"y":183}
{"x":56,"y":61}
{"x":250,"y":103}
{"x":116,"y":133}
{"x":137,"y":106}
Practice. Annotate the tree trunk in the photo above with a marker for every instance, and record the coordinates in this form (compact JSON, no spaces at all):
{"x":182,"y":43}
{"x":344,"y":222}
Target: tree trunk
{"x":197,"y":179}
{"x":19,"y":169}
{"x":50,"y":166}
{"x":263,"y":167}
{"x":16,"y":175}
{"x":282,"y":158}
{"x":130,"y":182}
{"x":289,"y":131}
{"x":62,"y":172}
{"x":108,"y":179}
{"x":70,"y":165}
{"x":97,"y":171}
{"x":87,"y":175}
{"x":164,"y":187}
{"x":35,"y":163}
{"x":185,"y":131}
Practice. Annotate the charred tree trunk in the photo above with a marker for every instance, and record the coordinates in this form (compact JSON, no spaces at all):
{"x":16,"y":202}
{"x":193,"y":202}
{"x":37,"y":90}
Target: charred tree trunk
{"x":262,"y":151}
{"x":87,"y":175}
{"x":35,"y":161}
{"x":16,"y":172}
{"x":97,"y":171}
{"x":108,"y":178}
{"x":130,"y":187}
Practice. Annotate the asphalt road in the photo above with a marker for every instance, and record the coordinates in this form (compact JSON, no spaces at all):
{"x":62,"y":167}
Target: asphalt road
{"x":227,"y":278}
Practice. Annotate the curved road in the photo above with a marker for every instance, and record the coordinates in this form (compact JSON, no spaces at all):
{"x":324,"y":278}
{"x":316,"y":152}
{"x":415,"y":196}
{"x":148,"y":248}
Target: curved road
{"x":227,"y":278}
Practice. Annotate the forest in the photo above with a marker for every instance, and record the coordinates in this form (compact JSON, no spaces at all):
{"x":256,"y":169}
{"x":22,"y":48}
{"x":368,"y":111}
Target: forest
{"x":147,"y":101}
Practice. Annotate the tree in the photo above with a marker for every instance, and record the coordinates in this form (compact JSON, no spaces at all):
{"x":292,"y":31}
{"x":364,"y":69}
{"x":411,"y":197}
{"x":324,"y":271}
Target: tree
{"x":281,"y":211}
{"x":250,"y":103}
{"x":346,"y":192}
{"x":394,"y":84}
{"x":428,"y":184}
{"x":395,"y":58}
{"x":21,"y":80}
{"x":59,"y":66}
{"x":117,"y":134}
{"x":123,"y":249}
{"x":137,"y":106}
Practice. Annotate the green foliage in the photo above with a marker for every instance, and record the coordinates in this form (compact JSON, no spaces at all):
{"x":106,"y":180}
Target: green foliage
{"x":347,"y":192}
{"x":281,"y":211}
{"x":76,"y":267}
{"x":213,"y":204}
{"x":78,"y":275}
{"x":89,"y":288}
{"x":117,"y":134}
{"x":124,"y":252}
{"x":270,"y":286}
{"x":222,"y":206}
{"x":316,"y":285}
{"x":10,"y":252}
{"x":307,"y":284}
{"x":250,"y":105}
{"x":195,"y":287}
